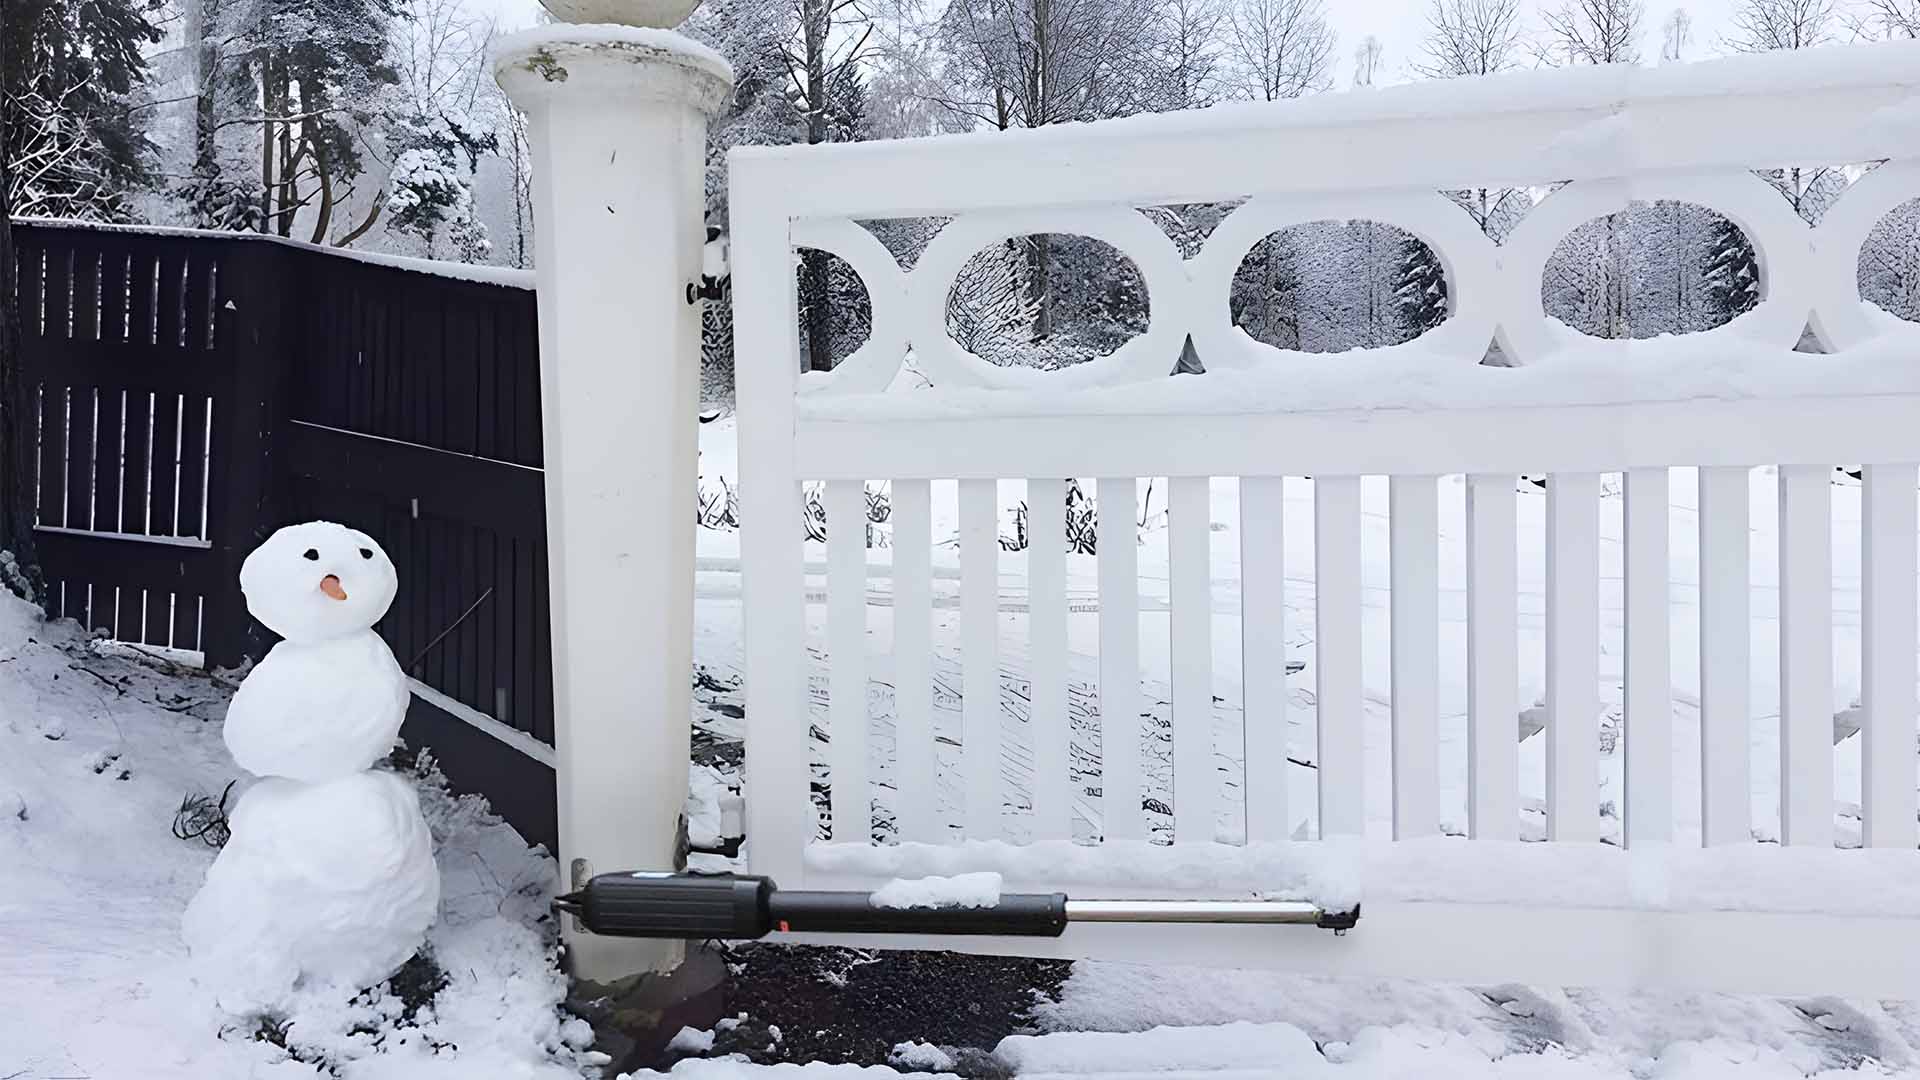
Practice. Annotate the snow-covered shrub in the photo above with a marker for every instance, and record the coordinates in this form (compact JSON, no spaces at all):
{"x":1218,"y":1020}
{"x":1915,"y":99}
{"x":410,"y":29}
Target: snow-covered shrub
{"x":431,"y":187}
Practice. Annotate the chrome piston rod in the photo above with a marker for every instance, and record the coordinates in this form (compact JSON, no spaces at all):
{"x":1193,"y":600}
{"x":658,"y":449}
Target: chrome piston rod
{"x":1267,"y":912}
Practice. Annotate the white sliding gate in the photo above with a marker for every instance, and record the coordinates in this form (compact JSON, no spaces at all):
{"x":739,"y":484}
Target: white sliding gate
{"x":1652,"y":795}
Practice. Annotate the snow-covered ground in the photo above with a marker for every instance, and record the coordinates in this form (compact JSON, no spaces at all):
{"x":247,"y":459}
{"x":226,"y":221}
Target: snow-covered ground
{"x":98,"y":746}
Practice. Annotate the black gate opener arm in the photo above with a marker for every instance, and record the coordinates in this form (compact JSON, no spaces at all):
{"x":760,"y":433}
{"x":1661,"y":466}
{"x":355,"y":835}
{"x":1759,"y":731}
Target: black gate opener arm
{"x":743,"y":908}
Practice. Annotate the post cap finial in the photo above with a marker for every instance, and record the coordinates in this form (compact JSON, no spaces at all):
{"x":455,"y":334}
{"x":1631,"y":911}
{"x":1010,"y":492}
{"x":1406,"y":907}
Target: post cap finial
{"x":661,"y":14}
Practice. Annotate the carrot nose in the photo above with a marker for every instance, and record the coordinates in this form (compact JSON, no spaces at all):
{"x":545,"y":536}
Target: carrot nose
{"x":331,"y":586}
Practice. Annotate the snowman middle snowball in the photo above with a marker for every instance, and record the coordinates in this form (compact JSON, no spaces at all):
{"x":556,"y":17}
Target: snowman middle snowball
{"x":328,"y":700}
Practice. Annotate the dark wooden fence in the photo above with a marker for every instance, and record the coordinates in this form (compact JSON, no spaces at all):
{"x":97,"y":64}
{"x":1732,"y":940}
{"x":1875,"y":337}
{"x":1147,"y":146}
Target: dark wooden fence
{"x":197,"y":391}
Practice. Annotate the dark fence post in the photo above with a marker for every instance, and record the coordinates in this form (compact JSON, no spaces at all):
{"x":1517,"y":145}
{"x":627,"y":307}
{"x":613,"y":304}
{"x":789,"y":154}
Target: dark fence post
{"x":251,"y":342}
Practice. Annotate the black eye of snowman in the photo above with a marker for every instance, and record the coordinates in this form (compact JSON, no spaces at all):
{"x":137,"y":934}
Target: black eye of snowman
{"x":311,"y":555}
{"x":365,"y":553}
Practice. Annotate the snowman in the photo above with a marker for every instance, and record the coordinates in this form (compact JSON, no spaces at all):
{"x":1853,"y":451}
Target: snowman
{"x":328,"y":877}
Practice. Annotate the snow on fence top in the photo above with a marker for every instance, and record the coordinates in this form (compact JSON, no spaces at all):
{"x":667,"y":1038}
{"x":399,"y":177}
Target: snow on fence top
{"x":1851,"y":103}
{"x":480,"y":275}
{"x":1593,"y":140}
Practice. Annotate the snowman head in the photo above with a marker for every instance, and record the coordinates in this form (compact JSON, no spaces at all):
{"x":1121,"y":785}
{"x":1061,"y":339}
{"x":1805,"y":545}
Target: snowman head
{"x":318,"y":581}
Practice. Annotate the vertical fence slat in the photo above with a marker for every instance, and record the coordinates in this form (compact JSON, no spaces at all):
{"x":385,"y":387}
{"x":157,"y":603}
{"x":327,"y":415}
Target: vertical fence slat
{"x":1047,"y":722}
{"x":1726,"y":660}
{"x":141,"y":282}
{"x":196,"y":304}
{"x":55,"y":403}
{"x":528,"y":560}
{"x":1263,"y":656}
{"x":195,"y":417}
{"x":915,"y":761}
{"x":107,"y":472}
{"x":82,"y":447}
{"x":1191,"y":659}
{"x":163,"y":470}
{"x":980,"y":660}
{"x":57,"y":314}
{"x":137,"y":476}
{"x":1493,"y":644}
{"x":1573,"y":657}
{"x":170,"y":326}
{"x":1648,"y":704}
{"x":1336,"y":605}
{"x":847,"y":653}
{"x":113,"y":293}
{"x":1887,"y":618}
{"x":1806,"y":655}
{"x":541,"y":671}
{"x":1118,"y":542}
{"x":86,"y":291}
{"x":1413,"y":512}
{"x":30,"y":258}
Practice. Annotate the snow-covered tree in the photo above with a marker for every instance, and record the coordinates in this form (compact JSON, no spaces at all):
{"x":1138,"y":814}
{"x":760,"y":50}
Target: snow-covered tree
{"x":1189,"y":53}
{"x":430,"y":189}
{"x":1596,"y":31}
{"x":68,"y":148}
{"x":1368,"y":57}
{"x":1770,"y":25}
{"x":1281,"y":48}
{"x":70,"y":69}
{"x":16,"y":434}
{"x":1420,"y":288}
{"x":1676,"y":36}
{"x":1890,"y":262}
{"x":990,"y":309}
{"x":1888,"y":19}
{"x":1471,"y":37}
{"x":1732,"y":272}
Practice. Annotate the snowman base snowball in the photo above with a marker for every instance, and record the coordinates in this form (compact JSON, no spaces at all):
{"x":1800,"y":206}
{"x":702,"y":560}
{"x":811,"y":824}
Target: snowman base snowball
{"x":319,"y":883}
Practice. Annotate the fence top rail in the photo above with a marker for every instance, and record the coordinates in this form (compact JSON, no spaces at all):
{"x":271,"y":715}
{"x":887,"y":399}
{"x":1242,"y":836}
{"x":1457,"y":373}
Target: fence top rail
{"x":506,"y":277}
{"x":1829,"y":105}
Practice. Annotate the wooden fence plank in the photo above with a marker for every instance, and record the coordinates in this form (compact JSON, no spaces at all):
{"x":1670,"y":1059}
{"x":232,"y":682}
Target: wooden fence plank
{"x":1493,"y":644}
{"x":1573,"y":657}
{"x":1048,"y":724}
{"x":1337,"y":645}
{"x":1414,"y":520}
{"x":915,"y":761}
{"x":1726,"y":726}
{"x":1263,"y":647}
{"x":1888,"y":527}
{"x":979,"y":658}
{"x":1195,"y":786}
{"x":852,"y":803}
{"x":1119,"y":585}
{"x":1806,"y":655}
{"x":1648,"y":706}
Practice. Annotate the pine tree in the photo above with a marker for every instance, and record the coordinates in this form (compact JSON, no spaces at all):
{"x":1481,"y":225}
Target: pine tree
{"x":69,"y":66}
{"x":289,"y":93}
{"x":432,"y":183}
{"x":1732,"y":272}
{"x":991,"y":307}
{"x":1420,"y":289}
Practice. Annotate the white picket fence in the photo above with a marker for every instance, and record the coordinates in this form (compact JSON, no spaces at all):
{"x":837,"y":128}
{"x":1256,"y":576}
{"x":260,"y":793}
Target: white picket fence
{"x":1799,"y":916}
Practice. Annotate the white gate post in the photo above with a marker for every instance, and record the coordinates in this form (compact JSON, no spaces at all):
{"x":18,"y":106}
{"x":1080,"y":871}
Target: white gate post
{"x":618,"y":118}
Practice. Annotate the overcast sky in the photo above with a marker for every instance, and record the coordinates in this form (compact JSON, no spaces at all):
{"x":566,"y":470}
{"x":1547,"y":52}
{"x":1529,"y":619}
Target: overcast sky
{"x":1399,"y":24}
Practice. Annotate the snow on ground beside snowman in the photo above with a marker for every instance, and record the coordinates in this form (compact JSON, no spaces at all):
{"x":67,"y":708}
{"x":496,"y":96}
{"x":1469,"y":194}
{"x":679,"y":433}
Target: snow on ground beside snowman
{"x":97,"y":750}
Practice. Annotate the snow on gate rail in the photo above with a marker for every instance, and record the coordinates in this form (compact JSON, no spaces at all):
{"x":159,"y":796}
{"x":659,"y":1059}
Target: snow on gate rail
{"x":1026,"y":773}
